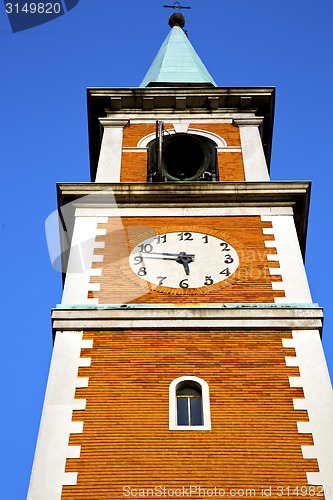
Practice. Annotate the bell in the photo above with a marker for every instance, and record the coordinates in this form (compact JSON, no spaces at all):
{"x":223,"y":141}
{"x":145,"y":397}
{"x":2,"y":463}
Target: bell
{"x":185,"y":157}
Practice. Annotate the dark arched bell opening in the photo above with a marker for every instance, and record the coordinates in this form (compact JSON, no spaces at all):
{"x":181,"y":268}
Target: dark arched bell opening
{"x":184,"y":157}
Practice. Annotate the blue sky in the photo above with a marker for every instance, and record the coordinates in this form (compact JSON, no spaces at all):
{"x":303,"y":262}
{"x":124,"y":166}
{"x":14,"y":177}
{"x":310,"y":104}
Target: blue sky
{"x":44,"y":139}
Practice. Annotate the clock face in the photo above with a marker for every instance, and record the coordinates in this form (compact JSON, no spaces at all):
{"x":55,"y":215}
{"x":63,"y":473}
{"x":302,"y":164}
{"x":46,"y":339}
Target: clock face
{"x":184,"y":260}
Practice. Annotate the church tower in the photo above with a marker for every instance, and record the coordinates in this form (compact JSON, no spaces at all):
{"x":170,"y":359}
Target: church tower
{"x":187,"y":358}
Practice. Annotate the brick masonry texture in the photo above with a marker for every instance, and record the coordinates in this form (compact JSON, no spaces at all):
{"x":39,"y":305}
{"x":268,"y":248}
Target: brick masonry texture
{"x":126,"y":439}
{"x":231,"y":167}
{"x":134,"y":165}
{"x":134,"y":133}
{"x":227,"y":131}
{"x":251,"y":283}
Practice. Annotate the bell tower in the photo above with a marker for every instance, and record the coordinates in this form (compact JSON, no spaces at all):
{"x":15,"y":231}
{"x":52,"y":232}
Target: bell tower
{"x":187,"y":358}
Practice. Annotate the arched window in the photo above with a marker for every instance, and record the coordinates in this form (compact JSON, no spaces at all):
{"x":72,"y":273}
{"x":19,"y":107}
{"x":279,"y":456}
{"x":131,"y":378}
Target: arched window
{"x":189,"y":404}
{"x":185,"y":157}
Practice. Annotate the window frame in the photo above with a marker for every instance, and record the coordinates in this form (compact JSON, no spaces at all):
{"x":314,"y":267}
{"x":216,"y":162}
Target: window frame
{"x":206,"y":426}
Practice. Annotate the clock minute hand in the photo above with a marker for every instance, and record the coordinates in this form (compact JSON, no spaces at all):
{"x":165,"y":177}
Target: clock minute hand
{"x":176,"y":255}
{"x":156,"y":257}
{"x":181,"y":258}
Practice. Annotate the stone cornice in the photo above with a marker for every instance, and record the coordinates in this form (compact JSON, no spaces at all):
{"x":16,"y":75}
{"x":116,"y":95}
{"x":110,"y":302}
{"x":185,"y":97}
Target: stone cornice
{"x":192,"y":194}
{"x":159,"y":102}
{"x":178,"y":91}
{"x":252,"y":122}
{"x":113,"y":122}
{"x":199,"y":193}
{"x":191,"y":317}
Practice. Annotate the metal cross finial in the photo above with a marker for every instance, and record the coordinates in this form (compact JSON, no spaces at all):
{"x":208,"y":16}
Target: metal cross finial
{"x":176,"y":6}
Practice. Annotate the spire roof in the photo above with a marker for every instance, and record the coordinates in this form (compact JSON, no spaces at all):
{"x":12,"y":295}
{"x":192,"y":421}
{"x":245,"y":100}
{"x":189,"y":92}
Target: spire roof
{"x":177,"y":63}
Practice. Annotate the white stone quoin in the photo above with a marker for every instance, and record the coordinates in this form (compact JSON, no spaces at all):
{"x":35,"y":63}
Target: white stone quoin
{"x":255,"y":165}
{"x":81,"y":257}
{"x":48,"y":473}
{"x":288,"y":254}
{"x":109,"y":164}
{"x":318,"y":401}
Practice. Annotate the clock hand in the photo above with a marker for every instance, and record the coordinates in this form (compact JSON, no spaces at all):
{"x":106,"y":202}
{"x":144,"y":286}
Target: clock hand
{"x":162,"y":258}
{"x":181,"y":258}
{"x":185,"y":259}
{"x":177,"y":255}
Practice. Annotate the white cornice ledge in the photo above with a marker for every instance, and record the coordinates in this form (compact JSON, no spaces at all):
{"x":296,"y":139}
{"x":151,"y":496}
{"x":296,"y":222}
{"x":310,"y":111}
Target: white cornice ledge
{"x":85,"y":319}
{"x":202,"y":192}
{"x":249,"y":122}
{"x":113,"y":122}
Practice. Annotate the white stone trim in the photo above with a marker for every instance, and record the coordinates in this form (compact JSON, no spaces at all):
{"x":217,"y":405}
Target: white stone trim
{"x":229,"y":149}
{"x":294,"y":281}
{"x":274,"y":271}
{"x":219,"y":141}
{"x":73,"y":452}
{"x":79,"y":404}
{"x":70,"y":479}
{"x":222,"y":149}
{"x":84,"y":362}
{"x":271,"y":257}
{"x":142,"y":211}
{"x":96,"y":272}
{"x":181,"y":128}
{"x":82,"y":383}
{"x":190,"y":323}
{"x":87,"y":344}
{"x":109,"y":163}
{"x":304,"y":427}
{"x":318,"y":401}
{"x":76,"y":427}
{"x":92,"y":302}
{"x":255,"y":165}
{"x":94,"y":287}
{"x":48,"y":472}
{"x":170,"y":117}
{"x":173,"y":405}
{"x":277,"y":285}
{"x":249,"y":121}
{"x":134,"y":150}
{"x":100,"y":244}
{"x":199,"y":317}
{"x":79,"y":270}
{"x":97,"y":258}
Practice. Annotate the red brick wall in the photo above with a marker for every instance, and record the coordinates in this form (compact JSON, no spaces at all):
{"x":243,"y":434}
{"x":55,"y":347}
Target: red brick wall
{"x":126,"y":441}
{"x":231,"y":167}
{"x":251,"y":283}
{"x":134,"y":165}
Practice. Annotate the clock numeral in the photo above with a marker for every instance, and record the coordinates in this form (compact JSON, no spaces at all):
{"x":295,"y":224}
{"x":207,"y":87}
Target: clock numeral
{"x":183,"y":283}
{"x":205,"y":238}
{"x":137,"y":259}
{"x":185,"y":236}
{"x":225,"y":271}
{"x":146,"y":248}
{"x":161,"y":238}
{"x":228,"y":259}
{"x":225,"y":247}
{"x":208,"y":280}
{"x":160,"y":279}
{"x":142,"y":271}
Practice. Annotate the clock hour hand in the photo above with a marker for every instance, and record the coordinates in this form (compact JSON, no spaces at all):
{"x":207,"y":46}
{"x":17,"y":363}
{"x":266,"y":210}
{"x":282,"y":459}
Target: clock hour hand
{"x":185,"y":259}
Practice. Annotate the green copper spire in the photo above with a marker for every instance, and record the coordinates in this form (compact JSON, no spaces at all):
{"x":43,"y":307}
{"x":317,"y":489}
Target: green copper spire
{"x":177,"y":63}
